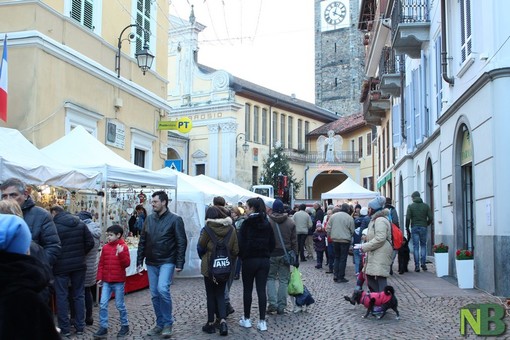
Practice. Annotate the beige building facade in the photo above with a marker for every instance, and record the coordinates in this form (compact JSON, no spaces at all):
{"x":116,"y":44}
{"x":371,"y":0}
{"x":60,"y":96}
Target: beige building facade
{"x":62,"y":73}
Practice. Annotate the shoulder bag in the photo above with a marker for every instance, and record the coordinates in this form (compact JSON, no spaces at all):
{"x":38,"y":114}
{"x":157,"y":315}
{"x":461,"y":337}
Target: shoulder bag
{"x":290,"y":258}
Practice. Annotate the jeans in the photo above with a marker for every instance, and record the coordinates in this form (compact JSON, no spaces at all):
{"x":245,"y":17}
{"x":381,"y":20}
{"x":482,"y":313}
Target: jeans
{"x":160,"y":279}
{"x":215,"y":294}
{"x":77,"y":279}
{"x":301,"y":238}
{"x":320,"y":257}
{"x":357,"y":260}
{"x":419,"y":236}
{"x":341,"y":254}
{"x":331,"y":256}
{"x":255,"y":269}
{"x":278,"y":272}
{"x":106,"y":292}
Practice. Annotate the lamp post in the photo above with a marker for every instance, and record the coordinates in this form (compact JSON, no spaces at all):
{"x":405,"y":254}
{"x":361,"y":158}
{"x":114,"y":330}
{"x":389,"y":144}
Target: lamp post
{"x":245,"y":145}
{"x":144,"y":57}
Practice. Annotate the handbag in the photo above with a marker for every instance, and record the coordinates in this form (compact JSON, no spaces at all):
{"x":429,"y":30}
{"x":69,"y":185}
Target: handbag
{"x":290,"y":258}
{"x":295,"y":286}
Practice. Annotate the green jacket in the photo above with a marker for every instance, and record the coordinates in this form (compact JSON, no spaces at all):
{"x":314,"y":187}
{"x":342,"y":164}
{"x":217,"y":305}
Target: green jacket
{"x":418,"y":214}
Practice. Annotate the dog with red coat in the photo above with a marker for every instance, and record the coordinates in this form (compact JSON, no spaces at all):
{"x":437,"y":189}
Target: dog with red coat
{"x":375,"y":300}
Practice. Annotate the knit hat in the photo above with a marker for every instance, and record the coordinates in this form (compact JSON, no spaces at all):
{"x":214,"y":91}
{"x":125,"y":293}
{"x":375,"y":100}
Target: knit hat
{"x":377,"y":203}
{"x":363,"y":211}
{"x":84,"y":215}
{"x":15,"y":236}
{"x":278,"y":206}
{"x":415,"y":194}
{"x":319,"y":224}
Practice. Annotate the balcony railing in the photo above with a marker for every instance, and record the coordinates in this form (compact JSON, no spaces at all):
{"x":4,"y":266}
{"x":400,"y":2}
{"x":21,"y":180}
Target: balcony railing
{"x":389,"y":68}
{"x":313,"y":157}
{"x":410,"y":26}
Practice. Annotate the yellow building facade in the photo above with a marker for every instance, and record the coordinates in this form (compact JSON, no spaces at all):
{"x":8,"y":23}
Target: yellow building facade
{"x":62,"y":73}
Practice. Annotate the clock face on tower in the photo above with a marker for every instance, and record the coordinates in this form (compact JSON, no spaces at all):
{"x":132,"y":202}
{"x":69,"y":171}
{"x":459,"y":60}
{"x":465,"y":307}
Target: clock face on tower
{"x":335,"y":13}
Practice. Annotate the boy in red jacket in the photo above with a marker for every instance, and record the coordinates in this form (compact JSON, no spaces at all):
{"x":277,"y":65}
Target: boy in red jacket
{"x":111,"y":275}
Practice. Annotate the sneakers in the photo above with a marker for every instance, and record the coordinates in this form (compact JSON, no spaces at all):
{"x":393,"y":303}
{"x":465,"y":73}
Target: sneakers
{"x":155,"y":331}
{"x":230,"y":309}
{"x":101,"y":333}
{"x":246,"y":323}
{"x":343,"y":280}
{"x":262,"y":325}
{"x":223,"y":328}
{"x":209,"y":328}
{"x":167,"y":332}
{"x":417,"y":269}
{"x":297,"y":309}
{"x":424,"y":267}
{"x":271,"y":310}
{"x":124,"y":331}
{"x":280,"y":311}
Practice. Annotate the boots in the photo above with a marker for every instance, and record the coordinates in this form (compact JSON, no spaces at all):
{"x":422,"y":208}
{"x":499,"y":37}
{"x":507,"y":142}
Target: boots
{"x":124,"y":331}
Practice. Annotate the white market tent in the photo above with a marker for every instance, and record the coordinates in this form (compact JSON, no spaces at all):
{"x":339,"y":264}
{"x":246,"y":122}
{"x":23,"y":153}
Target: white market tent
{"x":19,"y":158}
{"x":349,"y":189}
{"x":81,"y":150}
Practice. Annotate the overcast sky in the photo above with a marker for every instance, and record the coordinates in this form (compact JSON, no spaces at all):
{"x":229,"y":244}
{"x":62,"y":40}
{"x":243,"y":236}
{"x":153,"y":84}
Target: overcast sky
{"x":267,"y":42}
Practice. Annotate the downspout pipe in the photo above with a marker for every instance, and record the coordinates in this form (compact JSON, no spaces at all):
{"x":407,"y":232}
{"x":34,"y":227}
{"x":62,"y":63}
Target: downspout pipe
{"x":444,"y":60}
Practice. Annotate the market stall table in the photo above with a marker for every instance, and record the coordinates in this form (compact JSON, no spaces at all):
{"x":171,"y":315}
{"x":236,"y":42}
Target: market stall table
{"x":135,"y":281}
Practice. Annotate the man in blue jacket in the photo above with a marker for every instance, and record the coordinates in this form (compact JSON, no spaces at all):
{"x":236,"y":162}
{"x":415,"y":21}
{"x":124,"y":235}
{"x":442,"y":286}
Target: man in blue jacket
{"x":163,"y":246}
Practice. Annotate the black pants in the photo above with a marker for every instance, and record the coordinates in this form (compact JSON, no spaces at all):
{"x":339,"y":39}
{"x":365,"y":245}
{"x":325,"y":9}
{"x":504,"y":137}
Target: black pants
{"x":215,"y":299}
{"x":341,"y":254}
{"x":255,"y":269}
{"x":301,"y":238}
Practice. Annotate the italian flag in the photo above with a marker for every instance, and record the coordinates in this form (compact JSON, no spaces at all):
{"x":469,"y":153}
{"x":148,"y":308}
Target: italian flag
{"x":3,"y":83}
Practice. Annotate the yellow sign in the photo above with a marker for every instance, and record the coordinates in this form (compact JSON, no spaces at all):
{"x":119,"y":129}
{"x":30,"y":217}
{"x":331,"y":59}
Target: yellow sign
{"x":183,"y":125}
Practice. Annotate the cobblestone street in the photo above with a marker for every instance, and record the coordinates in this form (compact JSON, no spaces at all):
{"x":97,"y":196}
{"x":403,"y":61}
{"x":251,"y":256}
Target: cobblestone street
{"x":429,"y":309}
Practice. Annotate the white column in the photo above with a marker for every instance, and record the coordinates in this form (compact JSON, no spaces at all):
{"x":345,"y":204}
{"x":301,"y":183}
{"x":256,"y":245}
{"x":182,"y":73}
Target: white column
{"x":228,"y":156}
{"x":213,"y":150}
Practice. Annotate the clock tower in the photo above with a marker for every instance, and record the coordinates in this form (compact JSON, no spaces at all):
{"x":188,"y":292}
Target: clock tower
{"x":339,"y":56}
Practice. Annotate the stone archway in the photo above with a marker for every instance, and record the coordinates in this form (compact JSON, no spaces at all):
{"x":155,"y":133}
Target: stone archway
{"x":325,"y":181}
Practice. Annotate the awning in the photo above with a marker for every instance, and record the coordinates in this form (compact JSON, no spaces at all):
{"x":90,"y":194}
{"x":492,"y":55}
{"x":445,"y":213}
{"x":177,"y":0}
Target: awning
{"x":383,"y":180}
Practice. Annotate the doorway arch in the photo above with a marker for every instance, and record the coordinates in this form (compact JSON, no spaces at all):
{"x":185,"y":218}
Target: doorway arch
{"x":325,"y":181}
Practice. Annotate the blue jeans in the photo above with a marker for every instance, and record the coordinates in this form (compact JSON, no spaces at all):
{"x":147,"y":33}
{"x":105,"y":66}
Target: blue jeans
{"x":160,"y":279}
{"x":357,"y":260}
{"x":331,"y":256}
{"x":278,"y":272}
{"x":77,"y":280}
{"x":419,"y":236}
{"x":106,"y":292}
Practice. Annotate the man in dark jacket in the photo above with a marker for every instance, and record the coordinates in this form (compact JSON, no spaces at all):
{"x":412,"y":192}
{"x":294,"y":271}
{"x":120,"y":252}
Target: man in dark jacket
{"x":419,"y":217}
{"x":163,"y":246}
{"x":278,"y":269}
{"x":319,"y":213}
{"x":77,"y":241}
{"x":39,"y":221}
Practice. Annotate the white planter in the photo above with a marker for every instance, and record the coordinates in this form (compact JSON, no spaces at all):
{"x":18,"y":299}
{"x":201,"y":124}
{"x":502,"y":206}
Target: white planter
{"x":465,"y":273}
{"x":441,"y":262}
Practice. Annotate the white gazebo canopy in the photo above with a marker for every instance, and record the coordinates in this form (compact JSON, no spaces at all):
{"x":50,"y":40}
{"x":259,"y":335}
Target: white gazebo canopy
{"x":349,"y":189}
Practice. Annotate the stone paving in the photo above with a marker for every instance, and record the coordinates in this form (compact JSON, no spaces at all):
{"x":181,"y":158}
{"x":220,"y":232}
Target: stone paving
{"x":429,"y":309}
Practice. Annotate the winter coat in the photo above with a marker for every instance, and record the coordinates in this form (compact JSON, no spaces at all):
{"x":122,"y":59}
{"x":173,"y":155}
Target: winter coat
{"x":23,"y":313}
{"x":163,"y":240}
{"x":340,"y":227}
{"x":43,"y":230}
{"x":303,"y":222}
{"x":360,"y":224}
{"x":256,"y":237}
{"x":288,"y":231}
{"x":112,"y":264}
{"x":220,"y":227}
{"x":319,"y":239}
{"x":76,"y":240}
{"x":378,"y":248}
{"x":418,"y":214}
{"x":92,"y":258}
{"x":319,"y":216}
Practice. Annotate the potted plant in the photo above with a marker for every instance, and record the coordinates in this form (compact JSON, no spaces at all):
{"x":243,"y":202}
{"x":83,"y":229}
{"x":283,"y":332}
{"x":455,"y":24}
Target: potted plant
{"x":464,"y":264}
{"x":441,"y":259}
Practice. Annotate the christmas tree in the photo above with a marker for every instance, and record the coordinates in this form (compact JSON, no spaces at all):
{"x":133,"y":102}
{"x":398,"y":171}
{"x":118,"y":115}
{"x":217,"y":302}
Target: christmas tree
{"x":274,"y":168}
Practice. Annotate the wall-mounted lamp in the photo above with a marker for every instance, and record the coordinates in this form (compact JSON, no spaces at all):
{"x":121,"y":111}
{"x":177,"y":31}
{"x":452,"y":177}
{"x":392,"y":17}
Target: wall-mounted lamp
{"x":245,"y":145}
{"x":144,"y":57}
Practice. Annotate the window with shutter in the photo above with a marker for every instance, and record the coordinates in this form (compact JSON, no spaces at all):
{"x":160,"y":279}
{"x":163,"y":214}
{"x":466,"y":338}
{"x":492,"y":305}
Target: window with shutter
{"x":465,"y":27}
{"x":439,"y":80}
{"x":143,"y":18}
{"x":396,"y":122}
{"x":83,"y":12}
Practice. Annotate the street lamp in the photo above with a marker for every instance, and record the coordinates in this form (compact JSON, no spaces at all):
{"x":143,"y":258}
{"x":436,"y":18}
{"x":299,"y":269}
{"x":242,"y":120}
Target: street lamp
{"x":245,"y":145}
{"x":144,"y":57}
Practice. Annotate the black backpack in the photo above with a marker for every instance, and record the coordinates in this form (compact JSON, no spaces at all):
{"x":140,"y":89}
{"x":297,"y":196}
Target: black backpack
{"x":220,"y":263}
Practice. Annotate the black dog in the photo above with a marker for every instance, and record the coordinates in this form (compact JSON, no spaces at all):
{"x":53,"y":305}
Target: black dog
{"x":403,"y":257}
{"x":385,"y":300}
